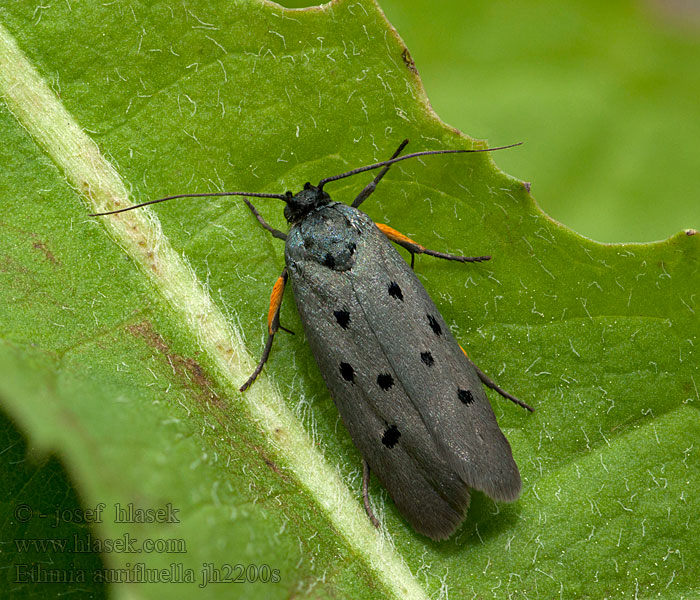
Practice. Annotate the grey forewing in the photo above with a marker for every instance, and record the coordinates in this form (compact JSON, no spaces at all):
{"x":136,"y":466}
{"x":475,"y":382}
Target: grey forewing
{"x":412,"y":403}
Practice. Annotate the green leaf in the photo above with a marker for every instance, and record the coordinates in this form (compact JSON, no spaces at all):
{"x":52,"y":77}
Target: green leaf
{"x":124,"y":339}
{"x":604,"y":96}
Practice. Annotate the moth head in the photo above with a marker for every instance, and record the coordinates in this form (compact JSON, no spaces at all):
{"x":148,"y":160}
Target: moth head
{"x":302,"y":203}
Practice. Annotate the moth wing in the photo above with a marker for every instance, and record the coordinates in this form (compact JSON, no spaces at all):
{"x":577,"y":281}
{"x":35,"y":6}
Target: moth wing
{"x":383,"y":423}
{"x":411,"y":401}
{"x":444,"y":387}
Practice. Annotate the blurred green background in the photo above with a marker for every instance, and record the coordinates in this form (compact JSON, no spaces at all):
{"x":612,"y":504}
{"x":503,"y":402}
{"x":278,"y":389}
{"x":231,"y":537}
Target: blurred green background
{"x":605,"y":95}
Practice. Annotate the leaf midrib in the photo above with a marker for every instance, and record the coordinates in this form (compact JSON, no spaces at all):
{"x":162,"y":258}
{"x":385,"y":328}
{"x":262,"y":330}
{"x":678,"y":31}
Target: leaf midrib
{"x":36,"y":107}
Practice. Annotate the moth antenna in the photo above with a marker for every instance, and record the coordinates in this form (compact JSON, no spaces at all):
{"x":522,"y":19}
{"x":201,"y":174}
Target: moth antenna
{"x":202,"y":195}
{"x":413,"y":155}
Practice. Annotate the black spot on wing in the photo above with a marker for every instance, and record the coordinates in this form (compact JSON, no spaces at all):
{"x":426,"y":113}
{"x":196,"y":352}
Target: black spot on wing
{"x":343,"y":318}
{"x":465,"y":396}
{"x":391,"y":436}
{"x":385,"y":381}
{"x":329,"y":260}
{"x":427,"y":358}
{"x":347,"y":371}
{"x":434,"y":325}
{"x":395,"y":291}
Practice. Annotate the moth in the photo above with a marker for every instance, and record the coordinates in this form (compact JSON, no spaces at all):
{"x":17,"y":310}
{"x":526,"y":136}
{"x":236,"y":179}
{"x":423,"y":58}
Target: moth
{"x":411,"y":399}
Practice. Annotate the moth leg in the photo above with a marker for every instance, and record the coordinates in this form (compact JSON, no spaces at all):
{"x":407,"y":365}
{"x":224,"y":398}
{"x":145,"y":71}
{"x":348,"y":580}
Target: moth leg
{"x":371,"y":186}
{"x":490,"y":383}
{"x":415,"y":248}
{"x":275,"y":232}
{"x":365,"y":493}
{"x":273,"y":324}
